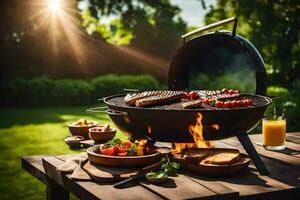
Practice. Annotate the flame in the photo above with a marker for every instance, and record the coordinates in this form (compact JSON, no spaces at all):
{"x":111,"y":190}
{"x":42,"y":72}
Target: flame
{"x":197,"y":133}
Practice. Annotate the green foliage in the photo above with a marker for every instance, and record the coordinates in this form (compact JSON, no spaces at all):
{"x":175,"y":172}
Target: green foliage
{"x":47,"y":91}
{"x":138,"y":23}
{"x":283,"y":100}
{"x":114,"y":84}
{"x":273,"y":27}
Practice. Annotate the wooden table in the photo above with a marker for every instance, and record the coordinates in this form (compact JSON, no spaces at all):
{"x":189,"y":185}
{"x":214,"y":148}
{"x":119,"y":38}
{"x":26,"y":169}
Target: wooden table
{"x":283,"y":182}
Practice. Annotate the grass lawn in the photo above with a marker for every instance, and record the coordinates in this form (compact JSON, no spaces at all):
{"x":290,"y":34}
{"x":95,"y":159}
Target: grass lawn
{"x":34,"y":131}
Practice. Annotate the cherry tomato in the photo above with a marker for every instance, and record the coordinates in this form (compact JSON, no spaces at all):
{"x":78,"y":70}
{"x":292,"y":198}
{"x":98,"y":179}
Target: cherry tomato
{"x":193,"y":95}
{"x":205,"y":100}
{"x":230,"y":91}
{"x":186,"y":95}
{"x":224,"y":90}
{"x":234,"y":103}
{"x":239,"y":103}
{"x":227,"y":104}
{"x":250,"y":102}
{"x":122,"y":148}
{"x":108,"y":151}
{"x":236,"y":91}
{"x":219,"y":104}
{"x":245,"y":103}
{"x":122,"y":154}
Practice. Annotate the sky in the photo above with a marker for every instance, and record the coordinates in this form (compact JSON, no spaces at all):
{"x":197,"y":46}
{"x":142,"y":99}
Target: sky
{"x":192,"y":11}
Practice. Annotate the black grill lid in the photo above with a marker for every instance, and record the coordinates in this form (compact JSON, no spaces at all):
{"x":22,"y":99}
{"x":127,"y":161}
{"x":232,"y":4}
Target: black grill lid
{"x":215,"y":54}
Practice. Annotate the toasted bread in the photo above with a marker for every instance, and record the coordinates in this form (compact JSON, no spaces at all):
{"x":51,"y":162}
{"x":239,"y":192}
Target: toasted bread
{"x":195,"y":156}
{"x":222,"y":157}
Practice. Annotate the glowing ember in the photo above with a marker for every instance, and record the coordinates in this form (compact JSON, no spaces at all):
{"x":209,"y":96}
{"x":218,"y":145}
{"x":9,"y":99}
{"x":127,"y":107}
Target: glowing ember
{"x":149,"y":129}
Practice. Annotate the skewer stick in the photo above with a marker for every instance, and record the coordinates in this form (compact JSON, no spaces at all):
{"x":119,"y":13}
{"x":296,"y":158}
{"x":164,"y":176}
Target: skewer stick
{"x":283,"y":114}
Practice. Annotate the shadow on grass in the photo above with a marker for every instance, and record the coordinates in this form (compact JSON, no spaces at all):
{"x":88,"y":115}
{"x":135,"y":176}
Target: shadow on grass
{"x":24,"y":116}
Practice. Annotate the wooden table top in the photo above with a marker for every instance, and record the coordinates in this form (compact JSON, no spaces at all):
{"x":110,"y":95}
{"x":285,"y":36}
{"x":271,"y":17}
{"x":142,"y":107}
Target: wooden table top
{"x":283,"y":181}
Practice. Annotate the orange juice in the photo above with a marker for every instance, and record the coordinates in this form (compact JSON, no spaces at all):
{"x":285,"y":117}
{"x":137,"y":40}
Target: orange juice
{"x":274,"y":133}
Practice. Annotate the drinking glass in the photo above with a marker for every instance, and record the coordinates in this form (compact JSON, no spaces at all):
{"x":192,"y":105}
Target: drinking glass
{"x":274,"y":132}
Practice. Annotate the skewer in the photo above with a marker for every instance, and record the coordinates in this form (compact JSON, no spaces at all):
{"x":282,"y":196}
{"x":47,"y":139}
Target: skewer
{"x":283,"y":114}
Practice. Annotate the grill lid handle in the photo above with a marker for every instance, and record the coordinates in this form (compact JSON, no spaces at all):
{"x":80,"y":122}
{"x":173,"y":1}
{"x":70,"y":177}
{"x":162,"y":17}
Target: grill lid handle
{"x":211,"y":26}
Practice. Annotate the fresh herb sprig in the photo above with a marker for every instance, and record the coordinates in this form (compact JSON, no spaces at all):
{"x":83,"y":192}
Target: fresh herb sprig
{"x":168,"y":168}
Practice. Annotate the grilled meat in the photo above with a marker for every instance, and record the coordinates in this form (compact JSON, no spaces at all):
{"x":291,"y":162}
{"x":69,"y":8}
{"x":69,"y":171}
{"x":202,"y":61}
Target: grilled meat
{"x":208,"y":92}
{"x":192,"y":104}
{"x":163,"y":98}
{"x":223,"y":96}
{"x":131,"y":98}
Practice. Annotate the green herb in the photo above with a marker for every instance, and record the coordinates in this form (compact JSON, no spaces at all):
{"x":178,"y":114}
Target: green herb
{"x":212,"y":102}
{"x":96,"y":148}
{"x":132,"y":150}
{"x":167,"y":168}
{"x":114,"y":142}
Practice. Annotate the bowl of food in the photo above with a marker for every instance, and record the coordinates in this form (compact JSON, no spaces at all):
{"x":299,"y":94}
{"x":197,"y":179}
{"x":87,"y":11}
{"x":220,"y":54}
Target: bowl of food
{"x":74,"y":141}
{"x":118,"y":153}
{"x":102,"y":134}
{"x":81,"y":127}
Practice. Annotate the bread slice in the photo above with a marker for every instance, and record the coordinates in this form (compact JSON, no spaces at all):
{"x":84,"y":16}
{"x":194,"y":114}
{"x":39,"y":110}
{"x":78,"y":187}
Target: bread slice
{"x":195,"y":156}
{"x":225,"y":157}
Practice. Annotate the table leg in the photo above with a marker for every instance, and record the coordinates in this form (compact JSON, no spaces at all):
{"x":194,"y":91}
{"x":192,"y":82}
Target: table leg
{"x":55,"y":191}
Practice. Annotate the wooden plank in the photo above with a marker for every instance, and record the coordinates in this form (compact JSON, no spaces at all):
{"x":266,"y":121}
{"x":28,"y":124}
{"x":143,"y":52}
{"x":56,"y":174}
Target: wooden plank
{"x":33,"y":165}
{"x":296,"y":134}
{"x":293,"y":139}
{"x":252,"y":185}
{"x":180,"y":187}
{"x":92,"y":190}
{"x":221,"y":190}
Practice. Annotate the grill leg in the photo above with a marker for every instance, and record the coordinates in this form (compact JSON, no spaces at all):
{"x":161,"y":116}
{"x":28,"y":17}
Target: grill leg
{"x":248,"y":146}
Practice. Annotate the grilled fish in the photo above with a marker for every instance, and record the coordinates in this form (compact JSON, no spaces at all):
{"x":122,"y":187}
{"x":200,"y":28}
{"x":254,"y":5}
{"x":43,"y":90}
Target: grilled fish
{"x":131,"y":98}
{"x":192,"y":104}
{"x":163,"y":98}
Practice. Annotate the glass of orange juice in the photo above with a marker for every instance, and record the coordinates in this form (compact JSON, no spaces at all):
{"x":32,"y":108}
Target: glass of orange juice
{"x":274,"y":131}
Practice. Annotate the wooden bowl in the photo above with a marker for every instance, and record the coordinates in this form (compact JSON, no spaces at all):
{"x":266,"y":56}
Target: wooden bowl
{"x":214,"y":170}
{"x":81,"y":130}
{"x":221,"y":170}
{"x":102,"y":137}
{"x":74,"y":141}
{"x":121,"y":161}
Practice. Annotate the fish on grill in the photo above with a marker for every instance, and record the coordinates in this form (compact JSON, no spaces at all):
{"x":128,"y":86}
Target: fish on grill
{"x":163,"y":98}
{"x":192,"y":104}
{"x":131,"y":98}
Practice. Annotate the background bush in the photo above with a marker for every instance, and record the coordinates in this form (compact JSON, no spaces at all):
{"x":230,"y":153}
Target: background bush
{"x":47,"y":91}
{"x":285,"y":101}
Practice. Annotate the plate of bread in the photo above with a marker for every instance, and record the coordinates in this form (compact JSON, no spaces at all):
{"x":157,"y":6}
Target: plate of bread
{"x":213,"y":162}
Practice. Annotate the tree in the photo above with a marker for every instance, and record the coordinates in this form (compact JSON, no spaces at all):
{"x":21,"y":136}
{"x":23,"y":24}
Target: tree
{"x":152,"y":25}
{"x":273,"y":27}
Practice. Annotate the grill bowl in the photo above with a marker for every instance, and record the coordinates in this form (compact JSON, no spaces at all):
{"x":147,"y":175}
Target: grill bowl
{"x":170,"y":123}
